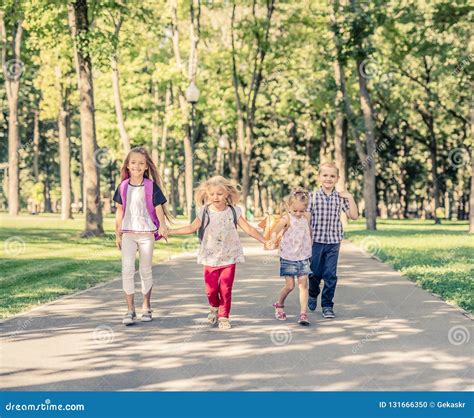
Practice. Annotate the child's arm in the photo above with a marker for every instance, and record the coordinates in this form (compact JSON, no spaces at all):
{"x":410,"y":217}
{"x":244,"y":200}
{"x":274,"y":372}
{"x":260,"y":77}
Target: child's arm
{"x":280,"y":225}
{"x":118,"y":226}
{"x":163,"y":229}
{"x":352,"y":212}
{"x":250,"y":230}
{"x":188,"y":229}
{"x":282,"y":222}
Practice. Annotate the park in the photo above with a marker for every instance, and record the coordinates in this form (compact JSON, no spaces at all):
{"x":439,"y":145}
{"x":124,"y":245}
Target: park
{"x":262,"y":93}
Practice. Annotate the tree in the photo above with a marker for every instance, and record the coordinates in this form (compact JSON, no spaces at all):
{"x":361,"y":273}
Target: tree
{"x":79,"y":26}
{"x":246,"y":92}
{"x":12,"y":70}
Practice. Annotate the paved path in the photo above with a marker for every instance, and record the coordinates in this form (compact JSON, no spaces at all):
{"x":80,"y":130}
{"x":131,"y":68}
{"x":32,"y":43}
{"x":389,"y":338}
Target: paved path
{"x":389,"y":335}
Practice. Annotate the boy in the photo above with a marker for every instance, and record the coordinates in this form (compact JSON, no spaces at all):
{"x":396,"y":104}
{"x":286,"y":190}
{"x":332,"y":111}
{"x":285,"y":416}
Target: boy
{"x":325,"y":208}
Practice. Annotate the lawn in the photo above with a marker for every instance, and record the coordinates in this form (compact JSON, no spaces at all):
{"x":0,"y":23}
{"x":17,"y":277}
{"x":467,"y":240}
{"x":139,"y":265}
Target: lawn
{"x":438,"y":257}
{"x":43,"y":258}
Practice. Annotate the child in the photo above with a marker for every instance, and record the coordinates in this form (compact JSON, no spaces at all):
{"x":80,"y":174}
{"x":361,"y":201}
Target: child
{"x":325,"y":207}
{"x":220,"y":248}
{"x":295,"y":252}
{"x":139,"y":221}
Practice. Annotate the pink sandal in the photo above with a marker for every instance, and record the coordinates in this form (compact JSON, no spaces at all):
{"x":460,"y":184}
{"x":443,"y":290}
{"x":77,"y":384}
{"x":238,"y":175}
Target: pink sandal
{"x":280,"y":315}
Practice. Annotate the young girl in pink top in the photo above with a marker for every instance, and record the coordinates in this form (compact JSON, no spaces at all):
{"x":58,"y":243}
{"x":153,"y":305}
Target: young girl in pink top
{"x":295,"y":252}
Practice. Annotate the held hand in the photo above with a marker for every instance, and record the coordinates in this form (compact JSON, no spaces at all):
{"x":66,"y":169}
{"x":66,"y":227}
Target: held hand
{"x":118,"y":240}
{"x":269,"y":245}
{"x":164,"y":231}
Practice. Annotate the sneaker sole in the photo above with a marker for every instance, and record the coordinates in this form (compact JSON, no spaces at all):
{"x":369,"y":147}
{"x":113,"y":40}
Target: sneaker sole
{"x":329,"y":316}
{"x":304,"y":323}
{"x":128,"y":323}
{"x":146,"y":319}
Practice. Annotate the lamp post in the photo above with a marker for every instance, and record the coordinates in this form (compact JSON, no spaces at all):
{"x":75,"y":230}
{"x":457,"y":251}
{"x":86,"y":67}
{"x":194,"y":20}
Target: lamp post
{"x":192,"y":96}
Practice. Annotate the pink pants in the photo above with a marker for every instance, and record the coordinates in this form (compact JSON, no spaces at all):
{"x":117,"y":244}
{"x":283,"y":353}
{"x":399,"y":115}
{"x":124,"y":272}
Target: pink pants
{"x":219,"y":281}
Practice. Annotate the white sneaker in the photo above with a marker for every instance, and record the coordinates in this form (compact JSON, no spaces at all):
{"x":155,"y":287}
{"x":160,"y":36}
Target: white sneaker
{"x":146,"y":315}
{"x":129,"y":318}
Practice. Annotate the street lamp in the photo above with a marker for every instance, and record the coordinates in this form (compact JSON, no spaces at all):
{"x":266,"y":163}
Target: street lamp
{"x":223,"y":147}
{"x":192,"y":96}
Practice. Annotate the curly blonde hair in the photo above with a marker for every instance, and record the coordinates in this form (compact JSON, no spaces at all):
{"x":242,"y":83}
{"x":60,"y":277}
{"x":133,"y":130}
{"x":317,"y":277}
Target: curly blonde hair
{"x":232,"y":188}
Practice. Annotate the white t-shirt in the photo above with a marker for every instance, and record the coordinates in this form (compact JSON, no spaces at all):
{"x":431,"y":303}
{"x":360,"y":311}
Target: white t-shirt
{"x":136,"y":217}
{"x":220,"y":245}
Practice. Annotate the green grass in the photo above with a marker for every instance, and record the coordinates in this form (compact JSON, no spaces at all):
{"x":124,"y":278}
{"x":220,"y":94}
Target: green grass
{"x":43,"y":258}
{"x":438,"y":257}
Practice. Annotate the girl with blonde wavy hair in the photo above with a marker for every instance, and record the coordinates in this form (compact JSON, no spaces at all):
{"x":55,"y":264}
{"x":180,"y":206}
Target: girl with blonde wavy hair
{"x":217,"y":220}
{"x":293,"y":231}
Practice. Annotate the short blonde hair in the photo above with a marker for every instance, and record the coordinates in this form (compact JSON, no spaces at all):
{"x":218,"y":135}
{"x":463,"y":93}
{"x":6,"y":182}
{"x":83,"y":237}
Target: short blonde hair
{"x":329,"y":164}
{"x":231,"y":187}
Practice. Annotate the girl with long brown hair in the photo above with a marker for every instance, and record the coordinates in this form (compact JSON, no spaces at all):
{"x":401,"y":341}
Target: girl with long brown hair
{"x":140,"y":220}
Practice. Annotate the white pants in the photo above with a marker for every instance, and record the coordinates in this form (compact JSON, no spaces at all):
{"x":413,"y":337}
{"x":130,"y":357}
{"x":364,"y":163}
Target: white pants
{"x":144,"y":243}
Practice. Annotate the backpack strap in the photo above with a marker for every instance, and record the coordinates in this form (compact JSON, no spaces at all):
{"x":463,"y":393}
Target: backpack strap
{"x":204,"y":222}
{"x":234,"y":215}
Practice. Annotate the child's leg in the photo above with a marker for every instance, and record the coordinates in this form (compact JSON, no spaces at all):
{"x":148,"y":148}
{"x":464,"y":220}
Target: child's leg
{"x":285,"y":291}
{"x":303,"y":287}
{"x":330,"y":275}
{"x":226,"y":281}
{"x":129,"y":250}
{"x":317,"y":264}
{"x":146,"y":244}
{"x":211,"y":279}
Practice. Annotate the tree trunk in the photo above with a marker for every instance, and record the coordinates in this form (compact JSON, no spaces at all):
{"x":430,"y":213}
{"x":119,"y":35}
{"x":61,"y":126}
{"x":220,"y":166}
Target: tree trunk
{"x":246,"y":101}
{"x":12,"y":75}
{"x":369,"y":167}
{"x":471,"y":196}
{"x":340,"y":146}
{"x":65,"y":161}
{"x":187,"y":140}
{"x":366,"y":156}
{"x":79,"y":25}
{"x":36,"y":141}
{"x":155,"y":128}
{"x":324,"y":141}
{"x":116,"y":88}
{"x":434,"y":173}
{"x":164,"y":133}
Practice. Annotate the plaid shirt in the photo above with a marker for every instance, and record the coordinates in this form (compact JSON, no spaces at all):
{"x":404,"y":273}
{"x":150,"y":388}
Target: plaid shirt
{"x":326,"y":216}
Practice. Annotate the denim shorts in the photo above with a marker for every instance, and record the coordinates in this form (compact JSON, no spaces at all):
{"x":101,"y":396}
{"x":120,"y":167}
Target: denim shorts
{"x":295,"y":268}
